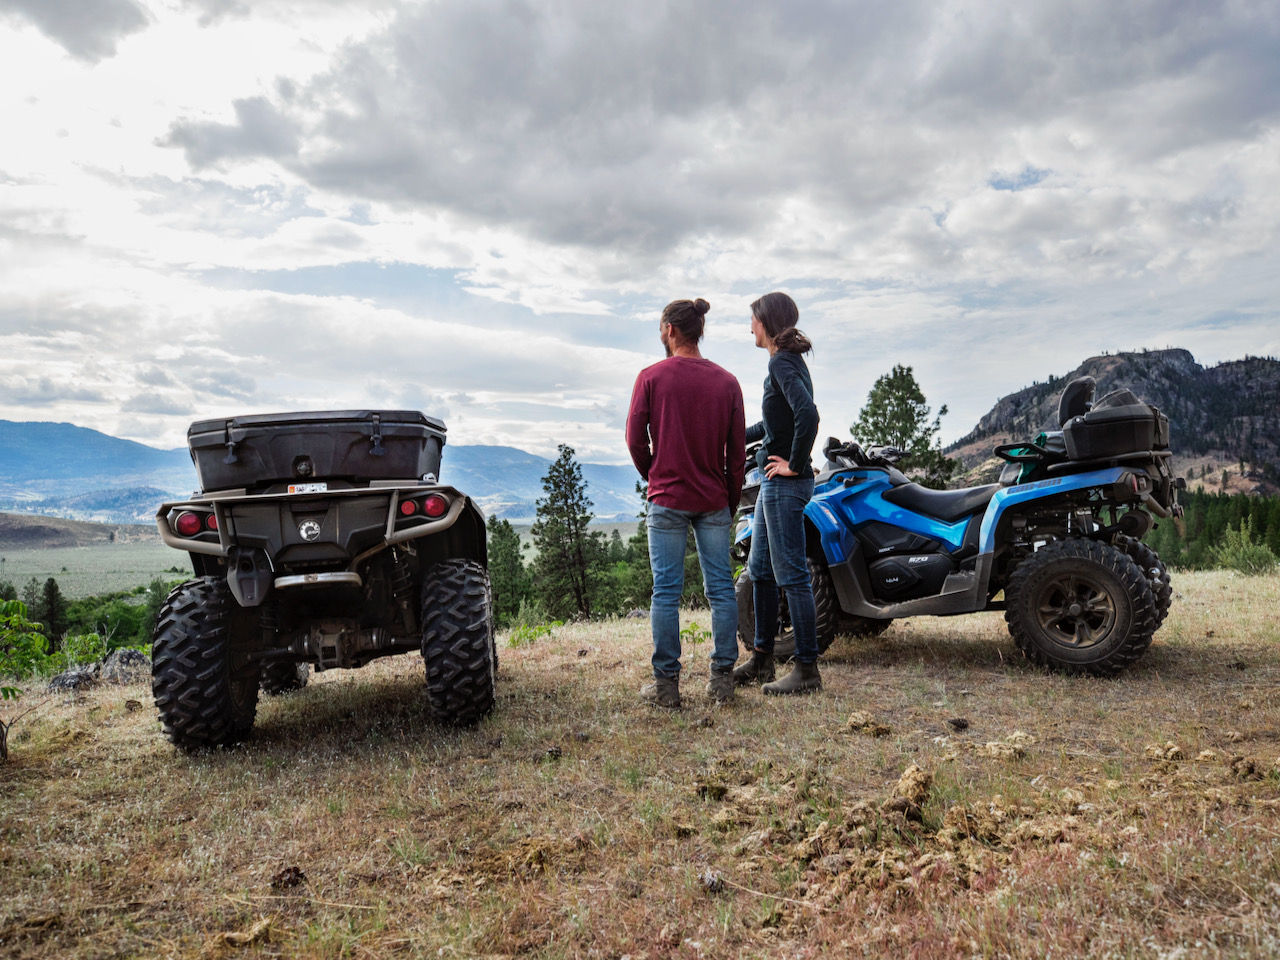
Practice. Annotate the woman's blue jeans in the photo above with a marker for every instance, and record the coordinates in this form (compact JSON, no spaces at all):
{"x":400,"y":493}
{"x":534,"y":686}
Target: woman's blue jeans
{"x":668,"y":535}
{"x":778,"y":560}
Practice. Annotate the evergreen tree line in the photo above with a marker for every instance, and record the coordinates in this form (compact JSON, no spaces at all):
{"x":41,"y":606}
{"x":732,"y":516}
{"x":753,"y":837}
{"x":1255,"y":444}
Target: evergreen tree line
{"x":1195,"y":541}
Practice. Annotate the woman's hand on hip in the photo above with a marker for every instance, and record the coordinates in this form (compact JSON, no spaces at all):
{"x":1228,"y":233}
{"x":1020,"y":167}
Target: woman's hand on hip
{"x":778,"y":467}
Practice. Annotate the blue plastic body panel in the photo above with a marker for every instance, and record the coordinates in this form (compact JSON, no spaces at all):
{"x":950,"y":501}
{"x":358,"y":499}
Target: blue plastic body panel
{"x":837,"y":510}
{"x":1027,"y":492}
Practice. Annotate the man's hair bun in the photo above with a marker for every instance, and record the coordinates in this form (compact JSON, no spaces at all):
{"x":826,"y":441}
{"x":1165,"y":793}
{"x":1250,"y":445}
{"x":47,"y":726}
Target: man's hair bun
{"x":701,"y":306}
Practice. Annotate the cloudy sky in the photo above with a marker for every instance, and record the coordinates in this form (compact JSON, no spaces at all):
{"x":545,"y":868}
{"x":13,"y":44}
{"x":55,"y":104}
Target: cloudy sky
{"x":478,"y":208}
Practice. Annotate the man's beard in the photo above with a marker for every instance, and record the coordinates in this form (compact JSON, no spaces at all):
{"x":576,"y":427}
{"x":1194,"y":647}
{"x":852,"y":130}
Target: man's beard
{"x":667,"y":347}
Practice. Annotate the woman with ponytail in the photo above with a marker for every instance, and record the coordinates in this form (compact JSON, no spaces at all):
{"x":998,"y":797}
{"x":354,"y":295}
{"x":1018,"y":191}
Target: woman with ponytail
{"x":788,"y":429}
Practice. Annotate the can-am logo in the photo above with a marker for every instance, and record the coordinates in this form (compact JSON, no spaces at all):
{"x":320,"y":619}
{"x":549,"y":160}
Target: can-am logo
{"x":309,"y":530}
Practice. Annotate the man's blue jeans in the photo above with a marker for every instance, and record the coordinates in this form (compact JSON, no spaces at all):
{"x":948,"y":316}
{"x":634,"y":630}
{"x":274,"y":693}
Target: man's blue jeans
{"x":778,"y":560}
{"x":668,"y":534}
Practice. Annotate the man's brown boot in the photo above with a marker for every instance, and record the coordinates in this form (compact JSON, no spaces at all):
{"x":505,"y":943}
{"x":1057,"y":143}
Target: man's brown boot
{"x":803,"y":678}
{"x":663,"y":692}
{"x":720,"y":686}
{"x":759,"y":669}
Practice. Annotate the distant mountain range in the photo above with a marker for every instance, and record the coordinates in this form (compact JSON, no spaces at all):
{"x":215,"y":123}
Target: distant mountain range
{"x":1224,"y":428}
{"x":1224,"y":421}
{"x":62,"y":470}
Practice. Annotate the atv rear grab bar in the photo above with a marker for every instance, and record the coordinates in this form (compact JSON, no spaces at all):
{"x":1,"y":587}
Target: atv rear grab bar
{"x":329,"y":578}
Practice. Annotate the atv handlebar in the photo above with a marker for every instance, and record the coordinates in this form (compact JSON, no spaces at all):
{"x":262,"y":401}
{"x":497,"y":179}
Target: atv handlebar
{"x":851,"y":451}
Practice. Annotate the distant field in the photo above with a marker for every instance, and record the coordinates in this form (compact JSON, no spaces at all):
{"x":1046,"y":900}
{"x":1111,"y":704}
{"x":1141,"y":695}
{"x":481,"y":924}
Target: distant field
{"x":101,"y":568}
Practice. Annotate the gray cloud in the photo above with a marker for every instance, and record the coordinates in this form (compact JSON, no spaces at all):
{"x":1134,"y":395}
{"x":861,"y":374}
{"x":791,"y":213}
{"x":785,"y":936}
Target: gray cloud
{"x":600,"y":125}
{"x":87,"y":31}
{"x":157,"y":403}
{"x":45,"y":391}
{"x":259,"y":131}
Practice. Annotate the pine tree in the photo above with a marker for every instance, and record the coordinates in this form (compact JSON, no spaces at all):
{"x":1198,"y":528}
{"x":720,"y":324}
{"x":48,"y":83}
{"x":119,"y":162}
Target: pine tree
{"x":507,"y":575}
{"x":31,"y":597}
{"x":53,"y":613}
{"x":567,"y":571}
{"x":897,"y":414}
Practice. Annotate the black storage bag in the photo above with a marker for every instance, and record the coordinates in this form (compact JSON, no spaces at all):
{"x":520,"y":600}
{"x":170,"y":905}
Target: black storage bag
{"x":1119,"y":423}
{"x":346,"y":446}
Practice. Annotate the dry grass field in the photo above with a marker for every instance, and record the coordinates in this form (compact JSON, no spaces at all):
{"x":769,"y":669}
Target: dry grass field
{"x":940,"y":799}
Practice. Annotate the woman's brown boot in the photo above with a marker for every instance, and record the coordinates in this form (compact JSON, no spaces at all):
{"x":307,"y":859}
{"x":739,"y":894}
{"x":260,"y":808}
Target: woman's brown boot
{"x":803,"y":678}
{"x":759,"y":669}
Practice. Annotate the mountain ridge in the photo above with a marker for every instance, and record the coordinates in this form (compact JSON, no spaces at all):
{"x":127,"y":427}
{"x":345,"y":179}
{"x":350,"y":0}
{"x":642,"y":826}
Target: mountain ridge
{"x":1224,"y":420}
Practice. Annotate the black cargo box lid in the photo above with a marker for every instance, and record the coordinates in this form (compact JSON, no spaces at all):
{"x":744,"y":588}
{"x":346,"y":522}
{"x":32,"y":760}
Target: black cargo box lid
{"x":316,"y":417}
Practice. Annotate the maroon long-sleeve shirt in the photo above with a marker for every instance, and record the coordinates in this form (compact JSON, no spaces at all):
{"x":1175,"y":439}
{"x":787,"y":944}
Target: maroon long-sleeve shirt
{"x":685,"y":431}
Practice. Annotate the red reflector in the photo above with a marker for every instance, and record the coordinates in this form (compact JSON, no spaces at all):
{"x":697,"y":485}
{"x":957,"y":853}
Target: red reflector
{"x":211,"y":521}
{"x":188,"y":524}
{"x":408,"y":508}
{"x":435,"y":505}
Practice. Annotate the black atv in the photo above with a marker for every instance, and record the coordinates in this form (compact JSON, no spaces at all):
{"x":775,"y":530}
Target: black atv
{"x":319,"y":540}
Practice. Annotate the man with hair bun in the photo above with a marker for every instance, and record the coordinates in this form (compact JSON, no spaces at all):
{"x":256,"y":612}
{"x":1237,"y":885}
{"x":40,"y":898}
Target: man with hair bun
{"x":685,"y":431}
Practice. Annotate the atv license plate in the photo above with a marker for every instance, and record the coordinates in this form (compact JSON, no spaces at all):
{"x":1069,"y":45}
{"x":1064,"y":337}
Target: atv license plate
{"x":308,"y":487}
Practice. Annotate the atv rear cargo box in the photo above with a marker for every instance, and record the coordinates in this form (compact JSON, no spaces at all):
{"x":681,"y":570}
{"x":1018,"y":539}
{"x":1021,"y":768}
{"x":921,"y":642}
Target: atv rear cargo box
{"x":1119,"y":423}
{"x":350,"y":447}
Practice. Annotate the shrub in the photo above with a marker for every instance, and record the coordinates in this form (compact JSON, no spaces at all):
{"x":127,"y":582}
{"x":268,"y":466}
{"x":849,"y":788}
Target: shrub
{"x":84,"y":648}
{"x":529,"y":624}
{"x":1239,"y":551}
{"x":22,"y":642}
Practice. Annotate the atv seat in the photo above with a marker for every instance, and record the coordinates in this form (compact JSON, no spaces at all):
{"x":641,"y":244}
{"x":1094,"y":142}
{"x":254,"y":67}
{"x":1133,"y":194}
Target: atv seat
{"x":945,"y":505}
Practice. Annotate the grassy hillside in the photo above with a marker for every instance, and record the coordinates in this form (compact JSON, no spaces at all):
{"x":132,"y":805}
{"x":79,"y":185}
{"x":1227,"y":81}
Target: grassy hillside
{"x":940,"y":799}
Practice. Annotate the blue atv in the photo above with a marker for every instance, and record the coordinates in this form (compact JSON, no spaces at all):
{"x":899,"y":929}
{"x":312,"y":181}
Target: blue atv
{"x":1056,"y":544}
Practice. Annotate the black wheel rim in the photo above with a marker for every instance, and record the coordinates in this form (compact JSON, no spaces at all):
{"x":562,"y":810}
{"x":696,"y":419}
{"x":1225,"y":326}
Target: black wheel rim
{"x":1075,"y":611}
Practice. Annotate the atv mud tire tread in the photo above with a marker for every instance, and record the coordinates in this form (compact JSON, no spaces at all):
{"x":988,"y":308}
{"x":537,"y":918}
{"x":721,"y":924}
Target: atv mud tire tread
{"x":1149,"y":562}
{"x":826,"y":606}
{"x":1110,"y":569}
{"x":457,"y":642}
{"x":278,"y":678}
{"x":205,"y":688}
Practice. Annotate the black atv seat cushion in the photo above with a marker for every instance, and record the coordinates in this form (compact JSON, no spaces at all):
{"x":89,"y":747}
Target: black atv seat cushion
{"x":947,"y":505}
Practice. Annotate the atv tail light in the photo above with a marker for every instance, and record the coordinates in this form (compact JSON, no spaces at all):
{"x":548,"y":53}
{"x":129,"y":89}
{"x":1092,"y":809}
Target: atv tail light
{"x":435,"y":505}
{"x":408,"y":508}
{"x":211,"y":521}
{"x":188,"y":524}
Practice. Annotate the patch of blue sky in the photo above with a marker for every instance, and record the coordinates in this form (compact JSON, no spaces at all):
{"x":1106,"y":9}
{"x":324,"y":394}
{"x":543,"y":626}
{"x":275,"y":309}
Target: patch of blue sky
{"x":1029,"y":176}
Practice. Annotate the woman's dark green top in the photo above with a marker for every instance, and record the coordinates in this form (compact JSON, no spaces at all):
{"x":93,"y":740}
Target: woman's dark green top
{"x":790,"y":423}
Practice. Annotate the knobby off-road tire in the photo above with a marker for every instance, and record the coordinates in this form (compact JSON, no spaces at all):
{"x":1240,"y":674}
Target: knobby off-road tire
{"x":457,"y":642}
{"x":204,"y":683}
{"x":1080,"y":606}
{"x":825,"y":606}
{"x":283,"y":677}
{"x":1157,"y":573}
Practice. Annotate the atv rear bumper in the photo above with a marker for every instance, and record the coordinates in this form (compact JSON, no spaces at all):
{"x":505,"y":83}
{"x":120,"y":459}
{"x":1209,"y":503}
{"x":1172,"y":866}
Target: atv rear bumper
{"x":316,"y":538}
